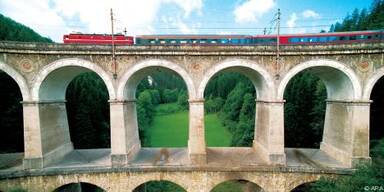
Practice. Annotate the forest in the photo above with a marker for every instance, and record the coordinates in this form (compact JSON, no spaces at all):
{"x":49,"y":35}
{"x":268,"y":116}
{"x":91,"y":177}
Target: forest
{"x":229,"y":96}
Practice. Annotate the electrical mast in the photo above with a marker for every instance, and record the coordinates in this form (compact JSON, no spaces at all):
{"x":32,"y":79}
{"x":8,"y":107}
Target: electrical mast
{"x":114,"y":65}
{"x":278,"y":37}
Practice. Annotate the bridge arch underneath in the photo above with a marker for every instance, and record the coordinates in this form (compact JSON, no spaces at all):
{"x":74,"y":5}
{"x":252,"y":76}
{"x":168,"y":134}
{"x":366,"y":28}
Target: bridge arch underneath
{"x":80,"y":186}
{"x":156,"y":183}
{"x":243,"y":184}
{"x":292,"y":185}
{"x":21,"y":82}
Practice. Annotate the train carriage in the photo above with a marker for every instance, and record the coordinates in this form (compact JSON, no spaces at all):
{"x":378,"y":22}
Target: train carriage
{"x":193,"y":39}
{"x":190,"y":40}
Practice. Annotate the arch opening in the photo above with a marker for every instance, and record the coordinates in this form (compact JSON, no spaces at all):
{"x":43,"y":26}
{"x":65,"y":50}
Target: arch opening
{"x":318,"y":108}
{"x":161,"y":106}
{"x":79,"y":187}
{"x":305,"y":187}
{"x":11,"y":122}
{"x":376,"y":131}
{"x":244,"y":118}
{"x":238,"y":186}
{"x":304,"y":111}
{"x":229,"y":104}
{"x":88,"y":112}
{"x":157,"y":186}
{"x":11,"y":115}
{"x":59,"y":133}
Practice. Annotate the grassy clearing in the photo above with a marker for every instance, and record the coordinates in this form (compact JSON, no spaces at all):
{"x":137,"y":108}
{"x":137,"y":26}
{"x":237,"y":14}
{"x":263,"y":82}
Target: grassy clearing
{"x":216,"y":135}
{"x":171,"y":130}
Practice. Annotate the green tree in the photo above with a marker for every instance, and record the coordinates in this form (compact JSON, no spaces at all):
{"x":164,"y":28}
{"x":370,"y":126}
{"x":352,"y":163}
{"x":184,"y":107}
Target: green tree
{"x":244,"y":133}
{"x":88,"y":111}
{"x":213,"y":104}
{"x":13,"y":31}
{"x":182,"y":100}
{"x":145,"y":111}
{"x":304,"y":111}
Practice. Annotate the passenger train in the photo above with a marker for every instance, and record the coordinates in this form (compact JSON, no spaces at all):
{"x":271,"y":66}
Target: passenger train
{"x":287,"y":39}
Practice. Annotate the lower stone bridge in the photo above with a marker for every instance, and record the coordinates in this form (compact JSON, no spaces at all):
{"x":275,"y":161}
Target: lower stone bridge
{"x":191,"y":179}
{"x":43,"y":72}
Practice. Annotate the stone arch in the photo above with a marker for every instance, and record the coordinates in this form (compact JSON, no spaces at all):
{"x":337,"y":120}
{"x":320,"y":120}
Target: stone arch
{"x":223,"y":180}
{"x":300,"y":181}
{"x":259,"y":76}
{"x":57,"y":188}
{"x":18,"y":78}
{"x":53,"y":79}
{"x":341,"y":81}
{"x":130,"y":79}
{"x":371,"y":82}
{"x":173,"y":181}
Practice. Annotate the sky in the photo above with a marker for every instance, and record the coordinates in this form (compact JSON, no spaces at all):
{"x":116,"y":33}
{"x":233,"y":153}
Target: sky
{"x":54,"y":18}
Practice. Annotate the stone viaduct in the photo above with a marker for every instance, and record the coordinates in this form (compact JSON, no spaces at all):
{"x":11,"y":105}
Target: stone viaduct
{"x":43,"y":71}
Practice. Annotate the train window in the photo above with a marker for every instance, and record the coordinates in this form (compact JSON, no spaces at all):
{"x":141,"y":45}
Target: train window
{"x":343,"y":38}
{"x":304,"y":40}
{"x":312,"y":39}
{"x":153,"y":41}
{"x":323,"y":39}
{"x":162,"y":42}
{"x":173,"y":41}
{"x":369,"y":37}
{"x":294,"y":40}
{"x":332,"y":38}
{"x":361,"y":37}
{"x":183,"y":41}
{"x":352,"y":38}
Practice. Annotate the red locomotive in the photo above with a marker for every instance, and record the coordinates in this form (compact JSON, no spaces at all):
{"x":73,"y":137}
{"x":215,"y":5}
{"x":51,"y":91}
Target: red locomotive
{"x":79,"y":38}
